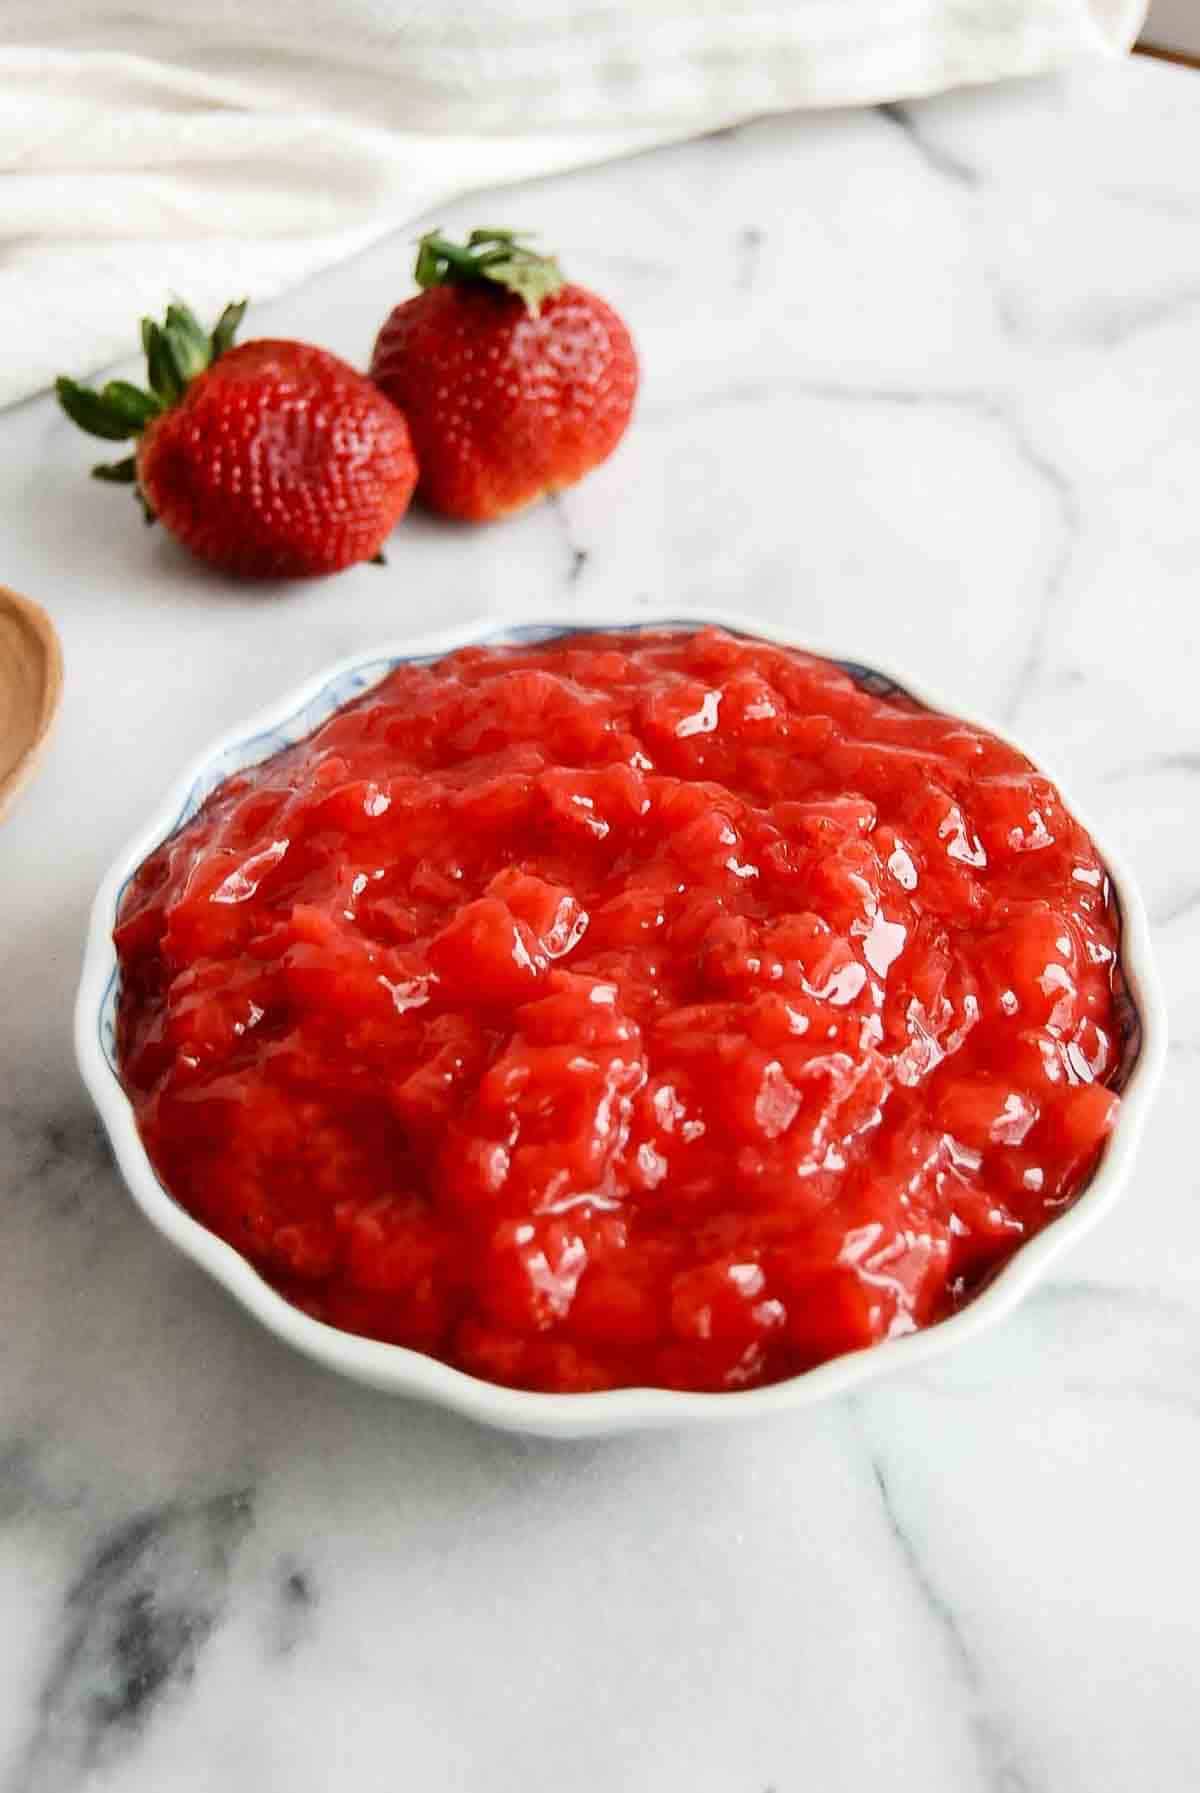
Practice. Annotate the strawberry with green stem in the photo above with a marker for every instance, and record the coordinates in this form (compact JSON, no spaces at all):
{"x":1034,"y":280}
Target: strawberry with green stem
{"x":515,"y":382}
{"x":271,"y":460}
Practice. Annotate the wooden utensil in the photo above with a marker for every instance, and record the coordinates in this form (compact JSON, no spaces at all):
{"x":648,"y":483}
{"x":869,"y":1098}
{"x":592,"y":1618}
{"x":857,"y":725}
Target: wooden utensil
{"x":30,"y":689}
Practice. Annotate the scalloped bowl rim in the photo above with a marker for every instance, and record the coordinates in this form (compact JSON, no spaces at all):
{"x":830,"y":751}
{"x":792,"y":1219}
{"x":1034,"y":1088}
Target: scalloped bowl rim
{"x":395,"y":1368}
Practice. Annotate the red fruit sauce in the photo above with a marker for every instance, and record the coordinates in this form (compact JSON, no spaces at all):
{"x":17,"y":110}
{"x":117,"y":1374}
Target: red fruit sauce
{"x":651,"y":1008}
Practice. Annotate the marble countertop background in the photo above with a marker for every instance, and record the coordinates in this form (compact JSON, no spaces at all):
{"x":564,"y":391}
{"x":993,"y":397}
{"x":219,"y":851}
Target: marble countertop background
{"x":926,"y":382}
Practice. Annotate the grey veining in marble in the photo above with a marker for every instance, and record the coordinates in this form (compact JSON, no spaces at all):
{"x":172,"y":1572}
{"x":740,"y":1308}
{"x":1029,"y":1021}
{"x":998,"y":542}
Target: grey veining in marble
{"x":134,"y":1626}
{"x":924,"y":382}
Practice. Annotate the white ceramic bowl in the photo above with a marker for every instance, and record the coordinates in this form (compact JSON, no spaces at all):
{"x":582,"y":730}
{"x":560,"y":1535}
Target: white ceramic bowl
{"x":401,"y":1371}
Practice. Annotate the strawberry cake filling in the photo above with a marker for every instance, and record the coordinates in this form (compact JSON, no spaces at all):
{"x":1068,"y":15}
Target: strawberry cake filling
{"x":658,"y":1008}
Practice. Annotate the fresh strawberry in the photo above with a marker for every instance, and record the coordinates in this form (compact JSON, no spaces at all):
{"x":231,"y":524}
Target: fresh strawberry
{"x":514,"y":383}
{"x":273,"y":460}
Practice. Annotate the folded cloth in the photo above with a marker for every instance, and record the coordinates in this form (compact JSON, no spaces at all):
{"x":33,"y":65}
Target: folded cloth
{"x":237,"y":147}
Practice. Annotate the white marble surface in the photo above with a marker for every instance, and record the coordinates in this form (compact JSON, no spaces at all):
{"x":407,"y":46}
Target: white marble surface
{"x":925,"y":383}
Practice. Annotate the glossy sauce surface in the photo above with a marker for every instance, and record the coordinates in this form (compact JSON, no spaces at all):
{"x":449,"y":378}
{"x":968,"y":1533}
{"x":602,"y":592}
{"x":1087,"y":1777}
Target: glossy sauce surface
{"x":654,"y":1009}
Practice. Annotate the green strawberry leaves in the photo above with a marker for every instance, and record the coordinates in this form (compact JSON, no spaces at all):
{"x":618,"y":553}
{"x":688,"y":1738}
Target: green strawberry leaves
{"x":116,"y":413}
{"x":226,"y":329}
{"x":189,"y":348}
{"x":498,"y":256}
{"x":177,"y":351}
{"x":117,"y":473}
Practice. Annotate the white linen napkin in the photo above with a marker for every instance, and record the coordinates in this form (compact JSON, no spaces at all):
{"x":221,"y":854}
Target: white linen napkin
{"x":235,"y":147}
